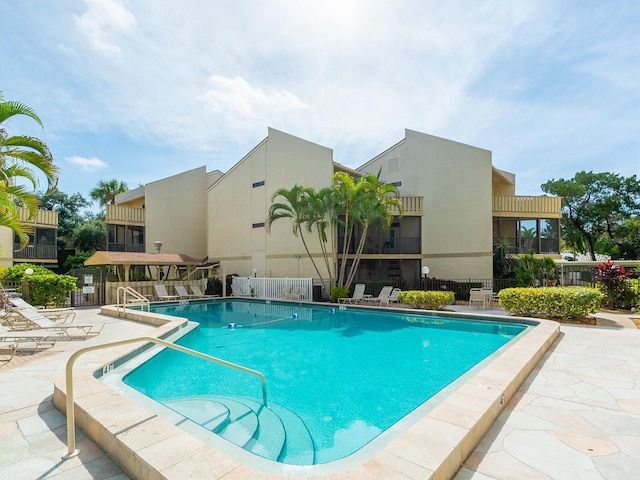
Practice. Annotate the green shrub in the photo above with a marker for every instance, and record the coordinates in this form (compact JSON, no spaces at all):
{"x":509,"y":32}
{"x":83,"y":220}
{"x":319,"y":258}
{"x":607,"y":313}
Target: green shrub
{"x":551,"y":302}
{"x":430,"y":300}
{"x":16,"y":273}
{"x":51,"y":290}
{"x":338,"y":292}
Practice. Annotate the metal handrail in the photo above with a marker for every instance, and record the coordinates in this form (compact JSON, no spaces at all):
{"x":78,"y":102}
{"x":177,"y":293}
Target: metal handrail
{"x":71,"y":432}
{"x":128,"y":290}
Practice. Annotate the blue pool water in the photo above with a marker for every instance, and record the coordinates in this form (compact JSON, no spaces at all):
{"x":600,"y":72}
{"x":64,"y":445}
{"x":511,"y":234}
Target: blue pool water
{"x":336,"y":378}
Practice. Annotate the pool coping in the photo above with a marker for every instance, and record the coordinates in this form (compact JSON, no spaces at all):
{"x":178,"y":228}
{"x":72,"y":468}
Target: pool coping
{"x":147,"y":446}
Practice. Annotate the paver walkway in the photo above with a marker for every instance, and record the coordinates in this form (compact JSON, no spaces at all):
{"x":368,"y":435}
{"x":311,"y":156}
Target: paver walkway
{"x":576,"y":416}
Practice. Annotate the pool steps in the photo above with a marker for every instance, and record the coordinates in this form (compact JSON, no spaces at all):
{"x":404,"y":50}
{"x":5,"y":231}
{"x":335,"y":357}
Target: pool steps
{"x":272,"y":432}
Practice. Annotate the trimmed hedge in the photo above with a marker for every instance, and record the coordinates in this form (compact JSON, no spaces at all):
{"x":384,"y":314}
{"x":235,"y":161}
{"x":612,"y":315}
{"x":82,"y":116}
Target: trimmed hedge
{"x":51,"y":290}
{"x":429,"y":300}
{"x":551,"y":302}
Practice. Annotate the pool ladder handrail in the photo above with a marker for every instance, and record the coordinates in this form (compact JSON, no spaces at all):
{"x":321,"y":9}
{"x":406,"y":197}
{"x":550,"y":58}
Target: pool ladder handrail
{"x":71,"y":432}
{"x":139,"y":299}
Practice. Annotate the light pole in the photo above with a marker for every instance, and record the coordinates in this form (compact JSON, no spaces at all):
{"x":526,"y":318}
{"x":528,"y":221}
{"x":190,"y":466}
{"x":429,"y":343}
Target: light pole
{"x":425,"y":272}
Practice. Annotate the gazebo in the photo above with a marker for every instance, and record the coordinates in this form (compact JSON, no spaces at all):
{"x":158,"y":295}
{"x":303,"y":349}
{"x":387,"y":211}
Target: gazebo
{"x":158,"y":261}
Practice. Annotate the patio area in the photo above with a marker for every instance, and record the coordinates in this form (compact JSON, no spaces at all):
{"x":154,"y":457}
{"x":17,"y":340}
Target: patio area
{"x":576,"y":416}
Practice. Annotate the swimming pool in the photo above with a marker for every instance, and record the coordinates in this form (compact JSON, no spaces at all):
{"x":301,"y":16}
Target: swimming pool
{"x":336,"y":378}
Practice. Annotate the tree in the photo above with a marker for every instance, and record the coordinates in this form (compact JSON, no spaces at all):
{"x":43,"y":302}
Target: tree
{"x":90,"y":236}
{"x":21,"y":157}
{"x":503,"y":258}
{"x":362,"y":202}
{"x":294,"y":206}
{"x":69,"y":208}
{"x":349,"y":202}
{"x":105,"y":192}
{"x":597,"y":206}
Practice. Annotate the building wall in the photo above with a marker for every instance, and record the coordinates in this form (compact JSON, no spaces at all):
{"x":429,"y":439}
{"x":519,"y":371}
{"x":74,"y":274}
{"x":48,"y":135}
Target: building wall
{"x":456,"y":182}
{"x":237,"y":208}
{"x":176,"y":213}
{"x":6,"y":247}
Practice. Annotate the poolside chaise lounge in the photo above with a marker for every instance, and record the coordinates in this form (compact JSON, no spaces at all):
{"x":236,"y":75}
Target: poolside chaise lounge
{"x":238,"y":291}
{"x":64,"y":313}
{"x":383,"y":296}
{"x":393,"y":297}
{"x":162,"y":294}
{"x":182,"y":292}
{"x":11,"y":348}
{"x":34,"y":338}
{"x":24,"y":315}
{"x":358,"y":294}
{"x":197,"y":291}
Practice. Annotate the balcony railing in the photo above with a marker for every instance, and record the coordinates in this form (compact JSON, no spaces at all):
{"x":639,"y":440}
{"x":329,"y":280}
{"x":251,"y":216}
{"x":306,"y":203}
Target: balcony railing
{"x":36,"y":252}
{"x":373,"y":246}
{"x":125,"y":247}
{"x":42,"y":218}
{"x":522,"y":206}
{"x":410,"y":206}
{"x":125,"y":215}
{"x":535,"y":245}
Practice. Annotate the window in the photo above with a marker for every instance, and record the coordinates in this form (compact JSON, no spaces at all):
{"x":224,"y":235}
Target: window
{"x":258,"y":225}
{"x":258,"y":184}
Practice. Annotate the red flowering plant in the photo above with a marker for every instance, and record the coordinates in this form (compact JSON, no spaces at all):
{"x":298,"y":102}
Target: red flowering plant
{"x":612,"y":278}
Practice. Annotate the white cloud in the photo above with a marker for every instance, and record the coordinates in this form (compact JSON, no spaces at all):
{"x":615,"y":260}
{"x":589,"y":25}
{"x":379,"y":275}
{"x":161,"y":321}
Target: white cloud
{"x":87,"y":164}
{"x":239,"y":102}
{"x":102,"y":22}
{"x":528,"y":80}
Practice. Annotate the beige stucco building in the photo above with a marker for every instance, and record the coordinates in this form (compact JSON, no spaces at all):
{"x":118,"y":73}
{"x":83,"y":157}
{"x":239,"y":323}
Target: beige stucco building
{"x":455,"y":203}
{"x":42,"y":247}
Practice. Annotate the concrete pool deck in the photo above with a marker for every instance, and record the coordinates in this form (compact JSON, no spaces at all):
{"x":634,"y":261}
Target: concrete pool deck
{"x":577,"y":415}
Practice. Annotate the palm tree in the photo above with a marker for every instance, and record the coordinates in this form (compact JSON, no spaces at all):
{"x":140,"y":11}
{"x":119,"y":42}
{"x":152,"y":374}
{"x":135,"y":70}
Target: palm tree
{"x":20,"y":157}
{"x":362,"y":201}
{"x":295,"y":206}
{"x":105,"y":192}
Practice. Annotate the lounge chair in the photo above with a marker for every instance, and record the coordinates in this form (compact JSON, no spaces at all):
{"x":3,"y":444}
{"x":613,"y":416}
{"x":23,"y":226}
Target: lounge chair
{"x":162,"y":294}
{"x":358,"y":295}
{"x":393,"y":297}
{"x":477,"y":298}
{"x":10,"y":348}
{"x":285,"y":293}
{"x":35,"y":338}
{"x":197,"y":292}
{"x":64,"y":314}
{"x":238,"y":291}
{"x":24,"y":315}
{"x":383,"y":296}
{"x":182,"y":292}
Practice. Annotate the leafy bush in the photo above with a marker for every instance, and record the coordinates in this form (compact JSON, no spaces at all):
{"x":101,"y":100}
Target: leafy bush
{"x":16,"y":273}
{"x":430,"y":300}
{"x":338,"y":292}
{"x":74,"y":261}
{"x":551,"y":302}
{"x":535,"y":272}
{"x":612,"y":278}
{"x":51,"y":290}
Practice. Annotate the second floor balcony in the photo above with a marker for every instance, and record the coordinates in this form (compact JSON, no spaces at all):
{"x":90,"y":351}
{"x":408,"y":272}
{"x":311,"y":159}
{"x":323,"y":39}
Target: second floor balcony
{"x":527,"y":206}
{"x":118,"y":215}
{"x":36,"y":252}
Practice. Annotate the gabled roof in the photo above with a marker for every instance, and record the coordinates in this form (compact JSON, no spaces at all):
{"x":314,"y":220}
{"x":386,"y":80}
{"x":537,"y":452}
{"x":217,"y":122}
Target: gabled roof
{"x":132,"y":258}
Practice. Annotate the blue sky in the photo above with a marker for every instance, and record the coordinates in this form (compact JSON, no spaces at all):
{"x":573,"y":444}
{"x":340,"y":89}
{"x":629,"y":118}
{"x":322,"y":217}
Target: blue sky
{"x":140,"y":90}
